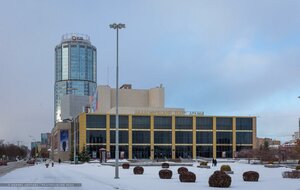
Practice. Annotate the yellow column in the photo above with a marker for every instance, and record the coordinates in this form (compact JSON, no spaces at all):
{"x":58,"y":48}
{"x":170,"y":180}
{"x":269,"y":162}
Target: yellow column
{"x":173,"y":137}
{"x":214,"y":137}
{"x":82,"y":131}
{"x":107,"y":132}
{"x":130,"y":137}
{"x":233,"y":136}
{"x":194,"y":138}
{"x":152,"y":137}
{"x":254,"y":138}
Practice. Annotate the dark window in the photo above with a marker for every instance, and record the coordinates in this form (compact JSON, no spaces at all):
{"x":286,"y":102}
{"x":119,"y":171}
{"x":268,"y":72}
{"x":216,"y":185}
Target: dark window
{"x":121,"y":149}
{"x":184,"y":151}
{"x":123,"y":136}
{"x":184,"y":137}
{"x":241,"y":148}
{"x":224,"y":151}
{"x":140,"y":122}
{"x":94,"y":150}
{"x":224,"y":137}
{"x":184,"y":123}
{"x":123,"y":122}
{"x":95,"y":136}
{"x":243,"y":123}
{"x":162,"y":137}
{"x":204,"y":123}
{"x":204,"y":137}
{"x":224,"y":123}
{"x":96,"y":121}
{"x":161,"y":122}
{"x":204,"y":151}
{"x":243,"y":137}
{"x":162,"y":151}
{"x":140,"y":137}
{"x":141,"y":152}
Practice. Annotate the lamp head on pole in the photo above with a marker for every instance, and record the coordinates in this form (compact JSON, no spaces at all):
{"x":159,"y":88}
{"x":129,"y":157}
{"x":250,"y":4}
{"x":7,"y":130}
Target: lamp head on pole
{"x":117,"y":26}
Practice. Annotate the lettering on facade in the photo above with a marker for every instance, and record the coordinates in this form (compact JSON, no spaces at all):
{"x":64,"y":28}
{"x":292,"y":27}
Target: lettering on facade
{"x":145,"y":112}
{"x":77,"y":38}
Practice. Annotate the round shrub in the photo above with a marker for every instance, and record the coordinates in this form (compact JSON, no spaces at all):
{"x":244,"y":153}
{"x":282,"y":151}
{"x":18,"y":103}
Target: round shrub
{"x":251,"y":176}
{"x":165,"y":165}
{"x":298,"y":167}
{"x":125,"y":165}
{"x":187,"y":177}
{"x":165,"y":174}
{"x":219,"y":179}
{"x":225,"y":168}
{"x":181,"y":170}
{"x":138,"y":170}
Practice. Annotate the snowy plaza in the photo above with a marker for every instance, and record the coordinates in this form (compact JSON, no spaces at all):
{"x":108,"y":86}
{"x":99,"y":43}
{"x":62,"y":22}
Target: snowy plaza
{"x":95,"y":176}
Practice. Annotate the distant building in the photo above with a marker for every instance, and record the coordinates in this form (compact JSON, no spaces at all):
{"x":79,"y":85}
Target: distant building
{"x":75,"y":69}
{"x":296,"y":136}
{"x":35,"y":144}
{"x":271,"y":142}
{"x":131,"y":101}
{"x":46,"y":139}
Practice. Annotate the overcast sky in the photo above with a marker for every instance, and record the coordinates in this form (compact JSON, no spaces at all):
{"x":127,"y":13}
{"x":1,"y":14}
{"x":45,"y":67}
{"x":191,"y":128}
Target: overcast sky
{"x":220,"y":57}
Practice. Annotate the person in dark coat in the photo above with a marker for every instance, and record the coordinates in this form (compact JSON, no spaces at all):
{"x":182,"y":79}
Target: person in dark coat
{"x":59,"y":160}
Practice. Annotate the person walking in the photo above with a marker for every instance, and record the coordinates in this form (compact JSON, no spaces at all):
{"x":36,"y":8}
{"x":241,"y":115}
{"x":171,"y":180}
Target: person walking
{"x":59,"y":160}
{"x":52,"y":163}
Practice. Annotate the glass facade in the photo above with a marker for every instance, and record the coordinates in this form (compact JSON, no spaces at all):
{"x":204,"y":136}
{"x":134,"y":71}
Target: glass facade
{"x":162,"y":137}
{"x":75,"y":70}
{"x":140,"y":136}
{"x":243,"y":123}
{"x":204,"y":137}
{"x":184,"y":123}
{"x":184,"y":137}
{"x":204,"y":151}
{"x":162,"y":151}
{"x":204,"y":123}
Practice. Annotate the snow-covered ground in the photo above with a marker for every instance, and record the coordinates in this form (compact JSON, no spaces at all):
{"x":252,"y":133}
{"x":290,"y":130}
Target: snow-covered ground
{"x":94,"y":176}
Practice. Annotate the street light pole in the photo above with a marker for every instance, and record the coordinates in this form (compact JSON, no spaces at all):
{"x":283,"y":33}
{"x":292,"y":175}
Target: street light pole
{"x":117,"y":27}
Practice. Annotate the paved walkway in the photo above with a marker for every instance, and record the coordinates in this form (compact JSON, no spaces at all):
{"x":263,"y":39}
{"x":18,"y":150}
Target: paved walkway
{"x":11,"y":166}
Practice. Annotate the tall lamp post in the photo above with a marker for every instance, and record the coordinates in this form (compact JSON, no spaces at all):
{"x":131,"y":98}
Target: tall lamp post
{"x":117,"y":27}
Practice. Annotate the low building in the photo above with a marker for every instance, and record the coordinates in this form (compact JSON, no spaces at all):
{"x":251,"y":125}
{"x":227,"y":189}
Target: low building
{"x":271,"y":142}
{"x":148,"y":130}
{"x":61,"y":141}
{"x":151,"y":136}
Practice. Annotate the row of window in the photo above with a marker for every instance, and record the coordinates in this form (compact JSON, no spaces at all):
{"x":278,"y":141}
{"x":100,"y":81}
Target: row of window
{"x":165,"y":137}
{"x":140,"y":152}
{"x":165,"y":122}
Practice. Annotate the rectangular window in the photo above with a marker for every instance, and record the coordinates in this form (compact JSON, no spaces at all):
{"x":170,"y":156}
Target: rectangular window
{"x":224,"y":151}
{"x":243,"y":137}
{"x":96,"y":136}
{"x":123,"y":121}
{"x":141,"y":152}
{"x":204,"y":151}
{"x":96,"y":121}
{"x":65,"y":63}
{"x":224,"y":123}
{"x":123,"y":136}
{"x":140,"y":122}
{"x":204,"y":123}
{"x":123,"y":149}
{"x":184,"y":137}
{"x":162,"y":137}
{"x":243,"y":123}
{"x":141,"y":137}
{"x":204,"y":137}
{"x":184,"y":151}
{"x":162,"y":152}
{"x":224,"y":137}
{"x":161,"y":122}
{"x":184,"y":123}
